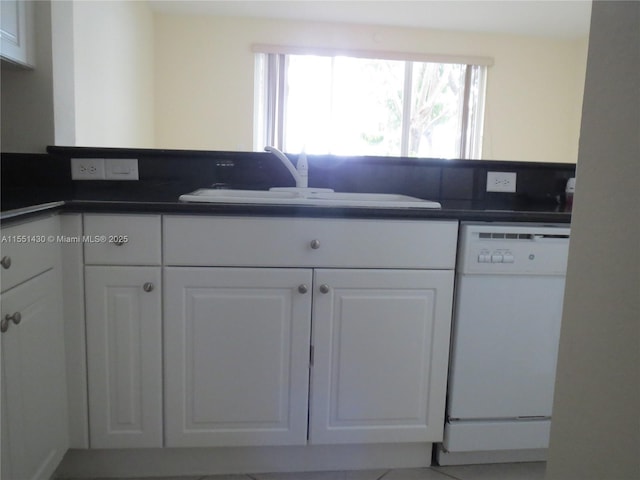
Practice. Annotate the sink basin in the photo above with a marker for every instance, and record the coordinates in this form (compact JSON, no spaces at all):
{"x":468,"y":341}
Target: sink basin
{"x":210,"y":195}
{"x":383,"y":200}
{"x":308,"y":197}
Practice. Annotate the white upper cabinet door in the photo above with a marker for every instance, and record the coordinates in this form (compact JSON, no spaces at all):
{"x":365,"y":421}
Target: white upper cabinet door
{"x":34,"y":388}
{"x":124,"y":355}
{"x":236,"y":346}
{"x":381,"y":343}
{"x":16,"y":31}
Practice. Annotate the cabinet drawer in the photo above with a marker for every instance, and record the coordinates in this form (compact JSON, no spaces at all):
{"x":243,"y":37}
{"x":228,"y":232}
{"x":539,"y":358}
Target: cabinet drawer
{"x":29,"y":249}
{"x":122,"y":239}
{"x":296,"y":242}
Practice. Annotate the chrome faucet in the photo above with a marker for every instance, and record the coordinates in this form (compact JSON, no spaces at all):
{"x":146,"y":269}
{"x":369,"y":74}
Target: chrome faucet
{"x":300,"y":172}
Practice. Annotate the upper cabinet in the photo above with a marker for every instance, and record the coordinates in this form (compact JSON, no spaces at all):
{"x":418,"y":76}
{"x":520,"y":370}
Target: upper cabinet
{"x":16,"y":32}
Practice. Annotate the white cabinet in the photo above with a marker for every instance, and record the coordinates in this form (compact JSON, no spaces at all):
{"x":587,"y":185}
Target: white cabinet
{"x":236,"y":352}
{"x":124,"y":330}
{"x":124,"y":345}
{"x":381,"y":342}
{"x":34,"y":389}
{"x":235,"y":370}
{"x":16,"y":31}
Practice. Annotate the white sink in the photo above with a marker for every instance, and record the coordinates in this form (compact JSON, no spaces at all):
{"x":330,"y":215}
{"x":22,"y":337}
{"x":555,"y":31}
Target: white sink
{"x":210,"y":195}
{"x":307,"y":197}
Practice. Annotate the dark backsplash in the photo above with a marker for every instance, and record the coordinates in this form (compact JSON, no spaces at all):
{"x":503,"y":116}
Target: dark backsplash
{"x":29,"y":179}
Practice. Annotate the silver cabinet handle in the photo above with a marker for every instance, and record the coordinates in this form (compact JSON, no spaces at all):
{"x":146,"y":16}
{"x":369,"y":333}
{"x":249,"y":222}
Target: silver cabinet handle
{"x":303,"y":288}
{"x":16,"y":318}
{"x":148,"y":287}
{"x":315,"y":244}
{"x":5,"y":262}
{"x":324,"y":288}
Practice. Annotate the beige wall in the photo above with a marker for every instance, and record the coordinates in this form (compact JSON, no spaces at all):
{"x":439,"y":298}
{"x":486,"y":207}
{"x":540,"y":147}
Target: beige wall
{"x":595,"y":432}
{"x":26,"y":121}
{"x":204,"y":80}
{"x":114,"y":85}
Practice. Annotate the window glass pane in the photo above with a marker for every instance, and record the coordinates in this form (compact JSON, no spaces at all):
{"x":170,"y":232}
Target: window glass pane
{"x":343,"y":105}
{"x":362,"y":106}
{"x":307,"y":117}
{"x":436,"y":110}
{"x":367,"y":106}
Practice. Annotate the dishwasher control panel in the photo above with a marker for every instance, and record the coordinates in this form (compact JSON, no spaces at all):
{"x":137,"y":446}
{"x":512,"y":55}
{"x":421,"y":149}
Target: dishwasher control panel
{"x":513,"y":249}
{"x":496,"y":256}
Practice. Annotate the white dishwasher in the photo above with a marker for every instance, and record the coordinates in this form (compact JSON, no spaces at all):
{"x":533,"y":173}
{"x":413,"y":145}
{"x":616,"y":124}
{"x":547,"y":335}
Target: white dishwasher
{"x":508,"y":307}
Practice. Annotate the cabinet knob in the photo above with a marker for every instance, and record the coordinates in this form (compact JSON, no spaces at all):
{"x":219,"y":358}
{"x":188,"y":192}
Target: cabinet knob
{"x":148,"y":287}
{"x":303,"y":288}
{"x":16,"y":318}
{"x":118,"y":243}
{"x":324,"y":288}
{"x":5,"y":262}
{"x":315,"y":244}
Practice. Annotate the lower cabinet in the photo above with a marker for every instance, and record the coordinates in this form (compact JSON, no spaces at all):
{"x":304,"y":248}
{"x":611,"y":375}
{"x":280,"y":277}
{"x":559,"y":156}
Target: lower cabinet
{"x":381,"y":346}
{"x":233,"y":341}
{"x":124,"y":356}
{"x":236,"y":350}
{"x":34,"y":395}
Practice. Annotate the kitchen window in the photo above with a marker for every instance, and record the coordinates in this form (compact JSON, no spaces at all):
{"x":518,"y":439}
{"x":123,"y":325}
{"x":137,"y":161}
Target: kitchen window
{"x":359,"y":104}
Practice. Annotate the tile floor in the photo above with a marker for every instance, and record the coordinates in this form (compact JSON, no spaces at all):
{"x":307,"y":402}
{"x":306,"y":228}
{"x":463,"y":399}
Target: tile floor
{"x":507,"y":471}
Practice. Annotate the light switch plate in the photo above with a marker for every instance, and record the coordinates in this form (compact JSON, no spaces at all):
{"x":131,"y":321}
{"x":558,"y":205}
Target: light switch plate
{"x":121,"y":168}
{"x":501,"y":182}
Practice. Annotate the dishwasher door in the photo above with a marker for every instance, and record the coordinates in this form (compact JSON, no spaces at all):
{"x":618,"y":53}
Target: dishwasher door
{"x":505,"y":345}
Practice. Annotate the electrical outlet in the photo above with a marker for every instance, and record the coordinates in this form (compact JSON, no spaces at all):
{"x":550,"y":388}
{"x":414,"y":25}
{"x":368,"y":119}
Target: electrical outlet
{"x":87,"y":169}
{"x":501,"y":182}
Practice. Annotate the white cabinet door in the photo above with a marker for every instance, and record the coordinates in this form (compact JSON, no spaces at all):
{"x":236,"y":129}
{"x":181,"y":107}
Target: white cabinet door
{"x":381,"y":343}
{"x":16,"y":31}
{"x":34,"y":390}
{"x":124,"y":355}
{"x":236,"y":350}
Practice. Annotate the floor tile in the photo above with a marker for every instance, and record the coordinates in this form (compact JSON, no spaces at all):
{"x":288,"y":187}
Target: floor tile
{"x":349,"y":475}
{"x":415,"y":474}
{"x":497,"y":471}
{"x":225,"y":477}
{"x":175,"y":477}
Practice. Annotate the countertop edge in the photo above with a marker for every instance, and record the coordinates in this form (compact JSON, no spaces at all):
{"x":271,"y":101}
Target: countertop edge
{"x":97,"y":206}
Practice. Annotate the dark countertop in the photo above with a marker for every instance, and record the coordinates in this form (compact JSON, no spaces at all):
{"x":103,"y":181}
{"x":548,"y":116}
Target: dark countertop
{"x":544,"y":214}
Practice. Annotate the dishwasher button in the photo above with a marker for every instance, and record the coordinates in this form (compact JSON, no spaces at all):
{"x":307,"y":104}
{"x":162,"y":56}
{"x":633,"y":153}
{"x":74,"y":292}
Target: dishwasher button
{"x":508,"y":259}
{"x":496,"y":258}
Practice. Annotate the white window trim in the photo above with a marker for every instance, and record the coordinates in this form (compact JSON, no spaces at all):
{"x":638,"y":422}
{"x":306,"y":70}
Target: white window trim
{"x":375,"y":54}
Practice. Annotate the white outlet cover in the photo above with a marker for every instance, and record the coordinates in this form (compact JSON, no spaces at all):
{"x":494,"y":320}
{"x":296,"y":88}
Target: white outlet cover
{"x":87,"y":169}
{"x":501,"y":182}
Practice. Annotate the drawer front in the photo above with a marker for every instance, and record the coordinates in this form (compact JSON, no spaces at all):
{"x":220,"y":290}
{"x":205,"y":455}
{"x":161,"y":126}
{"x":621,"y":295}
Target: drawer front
{"x":295,"y":242}
{"x":122,"y":239}
{"x":28,"y":249}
